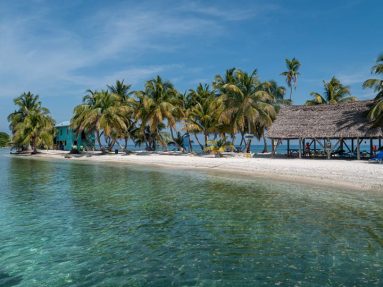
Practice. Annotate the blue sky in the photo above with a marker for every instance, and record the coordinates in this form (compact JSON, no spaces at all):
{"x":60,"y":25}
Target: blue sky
{"x":58,"y":49}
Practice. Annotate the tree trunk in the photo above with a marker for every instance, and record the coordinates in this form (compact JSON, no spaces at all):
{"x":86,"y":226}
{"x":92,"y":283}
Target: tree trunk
{"x":98,"y":136}
{"x":248,"y":146}
{"x":291,"y":92}
{"x":126,"y":143}
{"x":195,"y":135}
{"x":206,"y":137}
{"x":264,"y":144}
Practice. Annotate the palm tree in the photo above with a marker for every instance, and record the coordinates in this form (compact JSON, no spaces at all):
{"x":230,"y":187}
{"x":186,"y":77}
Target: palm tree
{"x":159,"y":101}
{"x":123,"y":92}
{"x":203,"y":113}
{"x":376,"y":112}
{"x":334,"y":92}
{"x":104,"y":115}
{"x":247,"y":104}
{"x":292,"y":74}
{"x":31,"y":124}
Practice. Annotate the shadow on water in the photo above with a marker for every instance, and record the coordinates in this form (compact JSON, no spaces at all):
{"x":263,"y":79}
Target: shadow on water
{"x":7,"y":280}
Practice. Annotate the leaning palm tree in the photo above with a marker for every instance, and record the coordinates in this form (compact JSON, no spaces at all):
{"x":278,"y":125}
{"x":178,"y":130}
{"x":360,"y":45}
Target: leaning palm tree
{"x":31,"y":124}
{"x":292,"y":74}
{"x":334,"y":92}
{"x":158,"y":102}
{"x":376,"y":112}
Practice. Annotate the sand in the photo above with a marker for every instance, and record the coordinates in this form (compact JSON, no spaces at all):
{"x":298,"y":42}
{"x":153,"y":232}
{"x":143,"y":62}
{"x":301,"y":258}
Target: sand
{"x":359,"y":175}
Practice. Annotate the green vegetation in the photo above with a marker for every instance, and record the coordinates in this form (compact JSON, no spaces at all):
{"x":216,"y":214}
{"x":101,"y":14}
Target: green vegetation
{"x":292,"y":74}
{"x":334,"y":92}
{"x":237,"y":103}
{"x":31,"y":124}
{"x":4,"y":139}
{"x":376,"y":113}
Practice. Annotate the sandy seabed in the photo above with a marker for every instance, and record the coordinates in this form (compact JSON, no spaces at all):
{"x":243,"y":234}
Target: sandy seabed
{"x":359,"y":175}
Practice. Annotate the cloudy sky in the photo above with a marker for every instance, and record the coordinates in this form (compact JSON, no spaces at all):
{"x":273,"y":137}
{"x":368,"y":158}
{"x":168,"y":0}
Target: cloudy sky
{"x":58,"y":49}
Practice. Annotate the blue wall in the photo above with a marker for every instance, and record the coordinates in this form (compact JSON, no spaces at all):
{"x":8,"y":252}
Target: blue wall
{"x":65,"y":139}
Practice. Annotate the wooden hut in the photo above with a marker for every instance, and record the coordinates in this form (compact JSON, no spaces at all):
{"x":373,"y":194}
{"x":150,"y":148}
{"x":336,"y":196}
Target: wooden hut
{"x":325,"y":124}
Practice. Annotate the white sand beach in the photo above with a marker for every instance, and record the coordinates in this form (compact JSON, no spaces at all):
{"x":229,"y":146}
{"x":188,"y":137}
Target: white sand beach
{"x":359,"y":175}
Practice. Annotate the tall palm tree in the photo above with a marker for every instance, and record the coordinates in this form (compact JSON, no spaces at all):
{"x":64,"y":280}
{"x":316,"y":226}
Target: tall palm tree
{"x":292,"y":74}
{"x":124,"y":93}
{"x":334,"y":92}
{"x":158,"y":102}
{"x":31,"y":124}
{"x":376,"y":112}
{"x":278,"y":92}
{"x":105,"y":115}
{"x":203,"y":113}
{"x":247,"y":104}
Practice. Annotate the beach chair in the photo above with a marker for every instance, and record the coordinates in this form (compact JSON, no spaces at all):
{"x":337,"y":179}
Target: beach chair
{"x":378,"y":158}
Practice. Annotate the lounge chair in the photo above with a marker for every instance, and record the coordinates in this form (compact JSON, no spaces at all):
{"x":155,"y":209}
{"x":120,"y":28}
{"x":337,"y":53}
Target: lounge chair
{"x":378,"y":158}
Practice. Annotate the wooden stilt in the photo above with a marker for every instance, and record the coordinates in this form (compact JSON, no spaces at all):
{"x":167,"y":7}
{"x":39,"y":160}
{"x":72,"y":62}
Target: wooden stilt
{"x":315,"y":147}
{"x":357,"y":149}
{"x":272,"y":147}
{"x":371,"y":147}
{"x":300,"y":148}
{"x":352,"y":145}
{"x":380,"y":143}
{"x":288,"y":147}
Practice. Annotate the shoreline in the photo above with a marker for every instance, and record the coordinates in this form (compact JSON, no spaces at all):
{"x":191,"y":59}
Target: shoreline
{"x":355,"y":175}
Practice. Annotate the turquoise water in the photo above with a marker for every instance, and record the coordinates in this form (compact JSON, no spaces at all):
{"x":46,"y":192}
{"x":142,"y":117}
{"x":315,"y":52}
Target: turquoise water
{"x":71,"y":224}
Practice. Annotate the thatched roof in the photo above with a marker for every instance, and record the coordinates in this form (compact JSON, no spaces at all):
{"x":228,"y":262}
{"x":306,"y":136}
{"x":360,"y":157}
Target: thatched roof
{"x":324,"y":121}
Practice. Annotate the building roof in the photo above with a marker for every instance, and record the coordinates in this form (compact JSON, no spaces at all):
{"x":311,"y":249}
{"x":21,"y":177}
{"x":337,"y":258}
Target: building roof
{"x":63,"y":124}
{"x":324,"y":121}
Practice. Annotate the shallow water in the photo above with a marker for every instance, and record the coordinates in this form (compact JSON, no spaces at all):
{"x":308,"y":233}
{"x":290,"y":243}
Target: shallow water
{"x":75,"y":224}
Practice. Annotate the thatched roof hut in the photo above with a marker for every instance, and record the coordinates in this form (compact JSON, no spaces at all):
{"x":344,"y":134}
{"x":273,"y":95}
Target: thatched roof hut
{"x":347,"y":121}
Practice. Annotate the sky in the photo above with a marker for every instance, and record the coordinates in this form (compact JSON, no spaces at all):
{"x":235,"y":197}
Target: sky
{"x":59,"y":49}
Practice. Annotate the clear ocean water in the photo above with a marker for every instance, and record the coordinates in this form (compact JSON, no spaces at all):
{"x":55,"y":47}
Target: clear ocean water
{"x":74,"y":224}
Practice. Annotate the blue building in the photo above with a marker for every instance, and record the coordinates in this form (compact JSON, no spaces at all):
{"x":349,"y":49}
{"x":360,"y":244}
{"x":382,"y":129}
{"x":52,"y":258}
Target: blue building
{"x":65,"y":138}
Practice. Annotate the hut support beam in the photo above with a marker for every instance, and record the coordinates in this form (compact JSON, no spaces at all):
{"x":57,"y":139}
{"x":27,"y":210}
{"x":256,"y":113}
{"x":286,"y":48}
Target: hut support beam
{"x":371,"y":147}
{"x":272,"y":147}
{"x":288,"y":147}
{"x":357,"y":149}
{"x":348,"y":148}
{"x":300,"y":148}
{"x":315,"y":147}
{"x":380,"y":143}
{"x":352,"y":145}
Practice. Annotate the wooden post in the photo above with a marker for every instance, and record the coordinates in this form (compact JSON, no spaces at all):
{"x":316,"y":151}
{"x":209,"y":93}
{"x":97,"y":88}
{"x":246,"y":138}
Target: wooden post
{"x":304,"y":147}
{"x":380,"y":143}
{"x":328,"y":148}
{"x":371,"y":147}
{"x":341,"y":143}
{"x":300,"y":148}
{"x":272,"y":147}
{"x":315,"y":147}
{"x":357,"y":149}
{"x":288,"y":147}
{"x":352,"y":145}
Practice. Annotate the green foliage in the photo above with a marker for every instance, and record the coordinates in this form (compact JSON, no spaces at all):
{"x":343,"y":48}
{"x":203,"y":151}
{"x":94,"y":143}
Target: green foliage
{"x":334,"y":92}
{"x":217,"y":147}
{"x":4,"y":139}
{"x":31,"y":124}
{"x":292,"y":74}
{"x":376,"y":112}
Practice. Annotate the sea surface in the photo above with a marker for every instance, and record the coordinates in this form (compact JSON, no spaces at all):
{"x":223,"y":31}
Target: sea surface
{"x":64,"y":223}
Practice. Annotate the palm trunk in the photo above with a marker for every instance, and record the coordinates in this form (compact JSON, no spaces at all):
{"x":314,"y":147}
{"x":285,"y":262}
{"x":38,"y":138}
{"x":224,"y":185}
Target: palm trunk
{"x":205,"y":136}
{"x":264,"y":144}
{"x":195,"y":135}
{"x":291,"y":92}
{"x":126,"y":143}
{"x":98,"y":136}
